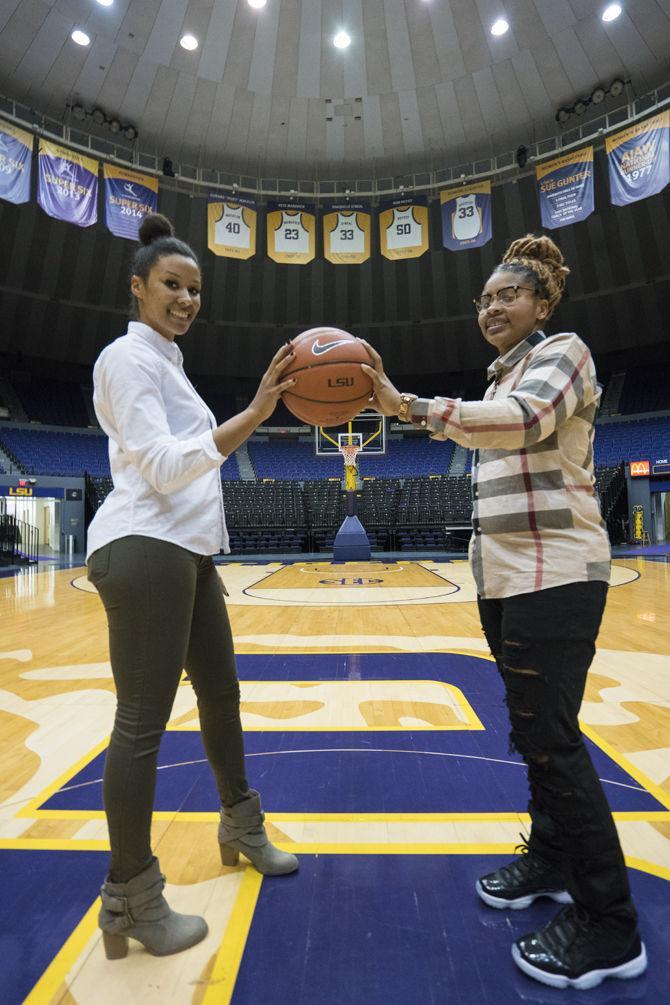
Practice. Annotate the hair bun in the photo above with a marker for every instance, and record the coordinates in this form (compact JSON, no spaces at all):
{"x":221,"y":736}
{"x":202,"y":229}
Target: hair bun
{"x":541,"y":249}
{"x":154,"y":226}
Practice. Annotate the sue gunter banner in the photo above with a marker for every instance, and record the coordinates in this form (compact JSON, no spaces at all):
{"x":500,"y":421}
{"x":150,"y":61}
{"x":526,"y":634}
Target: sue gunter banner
{"x":565,"y":188}
{"x":129,"y":196}
{"x":68,"y":184}
{"x":231,"y":225}
{"x":346,"y":233}
{"x":403,"y":227}
{"x":291,"y":232}
{"x":638,"y":159}
{"x":466,"y":216}
{"x":16,"y":149}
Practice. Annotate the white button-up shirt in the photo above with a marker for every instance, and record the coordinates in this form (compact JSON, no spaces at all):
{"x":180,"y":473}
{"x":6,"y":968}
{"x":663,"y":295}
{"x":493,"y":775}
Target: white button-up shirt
{"x":162,"y":454}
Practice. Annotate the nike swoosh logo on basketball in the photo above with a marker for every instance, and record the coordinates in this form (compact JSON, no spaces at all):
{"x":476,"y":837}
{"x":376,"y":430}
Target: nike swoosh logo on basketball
{"x":319,"y":350}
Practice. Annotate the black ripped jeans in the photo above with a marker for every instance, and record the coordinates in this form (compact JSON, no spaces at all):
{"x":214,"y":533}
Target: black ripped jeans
{"x":543,"y":644}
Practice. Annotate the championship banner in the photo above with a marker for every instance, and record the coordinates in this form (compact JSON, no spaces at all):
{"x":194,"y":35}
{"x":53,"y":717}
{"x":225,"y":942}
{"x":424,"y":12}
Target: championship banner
{"x":16,"y":150}
{"x":129,"y":197}
{"x":565,"y":188}
{"x":68,"y":184}
{"x":231,"y":225}
{"x":403,"y":226}
{"x":639,"y":160}
{"x":347,"y":227}
{"x":466,"y":216}
{"x":291,"y":230}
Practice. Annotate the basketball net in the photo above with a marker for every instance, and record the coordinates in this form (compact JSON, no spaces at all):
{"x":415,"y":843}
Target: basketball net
{"x":349,"y":452}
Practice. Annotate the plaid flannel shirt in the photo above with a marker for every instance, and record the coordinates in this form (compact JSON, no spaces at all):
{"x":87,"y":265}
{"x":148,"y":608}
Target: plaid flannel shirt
{"x":536,"y":516}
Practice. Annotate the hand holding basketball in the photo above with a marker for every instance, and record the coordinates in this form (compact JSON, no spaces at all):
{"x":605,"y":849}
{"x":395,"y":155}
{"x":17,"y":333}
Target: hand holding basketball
{"x":385,"y":396}
{"x":273,"y":384}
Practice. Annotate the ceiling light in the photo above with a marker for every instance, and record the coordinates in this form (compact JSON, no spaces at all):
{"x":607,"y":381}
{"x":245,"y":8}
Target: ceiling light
{"x":257,"y":4}
{"x":499,"y":27}
{"x":130,"y":132}
{"x":114,"y":126}
{"x":80,"y":37}
{"x":98,"y":116}
{"x":341,"y":40}
{"x":79,"y":112}
{"x":188,"y":42}
{"x":580,"y":107}
{"x":562,"y":115}
{"x":611,"y":12}
{"x":105,"y":3}
{"x":617,"y":87}
{"x":598,"y":95}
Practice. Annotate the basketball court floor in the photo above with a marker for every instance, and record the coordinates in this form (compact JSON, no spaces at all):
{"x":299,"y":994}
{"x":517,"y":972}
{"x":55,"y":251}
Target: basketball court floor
{"x":376,"y":732}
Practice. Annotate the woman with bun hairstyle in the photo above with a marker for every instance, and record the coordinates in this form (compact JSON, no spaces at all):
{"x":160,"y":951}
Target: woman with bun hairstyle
{"x":540,"y":557}
{"x":150,"y":548}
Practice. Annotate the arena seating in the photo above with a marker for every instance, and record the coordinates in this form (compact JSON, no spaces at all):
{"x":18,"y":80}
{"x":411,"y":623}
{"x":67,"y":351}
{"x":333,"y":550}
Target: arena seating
{"x":291,"y":461}
{"x":287,"y":459}
{"x":41,"y":452}
{"x":634,"y":439}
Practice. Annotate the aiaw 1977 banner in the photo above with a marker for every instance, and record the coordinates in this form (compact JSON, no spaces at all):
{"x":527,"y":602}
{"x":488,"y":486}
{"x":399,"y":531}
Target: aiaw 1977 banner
{"x":638,"y":159}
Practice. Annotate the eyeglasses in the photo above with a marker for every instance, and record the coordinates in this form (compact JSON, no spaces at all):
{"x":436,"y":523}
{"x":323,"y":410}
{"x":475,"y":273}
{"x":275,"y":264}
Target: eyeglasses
{"x":507,"y":296}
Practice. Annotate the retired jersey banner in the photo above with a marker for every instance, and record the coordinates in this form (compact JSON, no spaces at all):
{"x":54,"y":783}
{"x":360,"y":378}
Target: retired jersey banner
{"x":565,"y":188}
{"x":16,"y":150}
{"x":68,"y":184}
{"x":128,"y":198}
{"x":346,"y":233}
{"x":639,"y":160}
{"x":466,"y":216}
{"x":291,"y":232}
{"x":231,"y":225}
{"x":403,"y":227}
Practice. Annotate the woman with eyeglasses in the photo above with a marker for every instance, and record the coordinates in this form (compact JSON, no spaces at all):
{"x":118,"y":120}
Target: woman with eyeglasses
{"x":540,"y":557}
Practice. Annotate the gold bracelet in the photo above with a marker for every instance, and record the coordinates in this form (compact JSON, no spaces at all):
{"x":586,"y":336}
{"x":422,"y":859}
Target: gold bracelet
{"x":404,"y":412}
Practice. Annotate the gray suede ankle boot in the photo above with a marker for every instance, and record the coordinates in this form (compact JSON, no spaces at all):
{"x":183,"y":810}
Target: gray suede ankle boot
{"x":138,"y":910}
{"x":241,"y":830}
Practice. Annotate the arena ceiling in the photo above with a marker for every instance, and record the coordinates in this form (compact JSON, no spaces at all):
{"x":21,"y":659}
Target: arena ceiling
{"x":423,"y":84}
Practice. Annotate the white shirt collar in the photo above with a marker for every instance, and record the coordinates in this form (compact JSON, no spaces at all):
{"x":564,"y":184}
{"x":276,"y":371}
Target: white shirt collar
{"x":168,"y":349}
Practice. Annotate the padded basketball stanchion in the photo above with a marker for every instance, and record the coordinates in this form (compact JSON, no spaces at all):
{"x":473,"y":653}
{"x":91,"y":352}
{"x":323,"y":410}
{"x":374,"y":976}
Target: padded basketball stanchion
{"x":351,"y":542}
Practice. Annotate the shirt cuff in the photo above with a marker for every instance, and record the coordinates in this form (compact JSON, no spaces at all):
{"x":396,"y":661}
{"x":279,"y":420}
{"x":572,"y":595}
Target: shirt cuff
{"x":211,"y":449}
{"x":418,"y":412}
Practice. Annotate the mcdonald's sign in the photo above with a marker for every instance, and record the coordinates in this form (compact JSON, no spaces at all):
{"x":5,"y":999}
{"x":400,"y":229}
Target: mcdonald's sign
{"x":639,"y":469}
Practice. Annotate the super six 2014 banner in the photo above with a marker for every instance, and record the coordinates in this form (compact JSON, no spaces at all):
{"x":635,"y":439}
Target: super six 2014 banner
{"x":466,"y":216}
{"x":129,"y":196}
{"x":16,"y":148}
{"x":638,"y":159}
{"x":565,"y":188}
{"x":68,"y":184}
{"x":346,"y":233}
{"x":291,"y":232}
{"x":231,"y":225}
{"x":403,"y":227}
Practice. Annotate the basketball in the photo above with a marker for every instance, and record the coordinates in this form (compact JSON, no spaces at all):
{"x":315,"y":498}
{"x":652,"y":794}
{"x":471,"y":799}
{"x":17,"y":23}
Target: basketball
{"x":331,"y":388}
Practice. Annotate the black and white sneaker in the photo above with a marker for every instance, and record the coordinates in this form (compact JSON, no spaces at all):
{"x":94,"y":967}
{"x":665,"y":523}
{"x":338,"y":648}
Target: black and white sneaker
{"x":522,"y":881}
{"x":577,"y":951}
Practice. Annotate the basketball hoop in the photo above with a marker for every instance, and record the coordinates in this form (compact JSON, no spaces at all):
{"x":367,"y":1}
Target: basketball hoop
{"x":349,"y":451}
